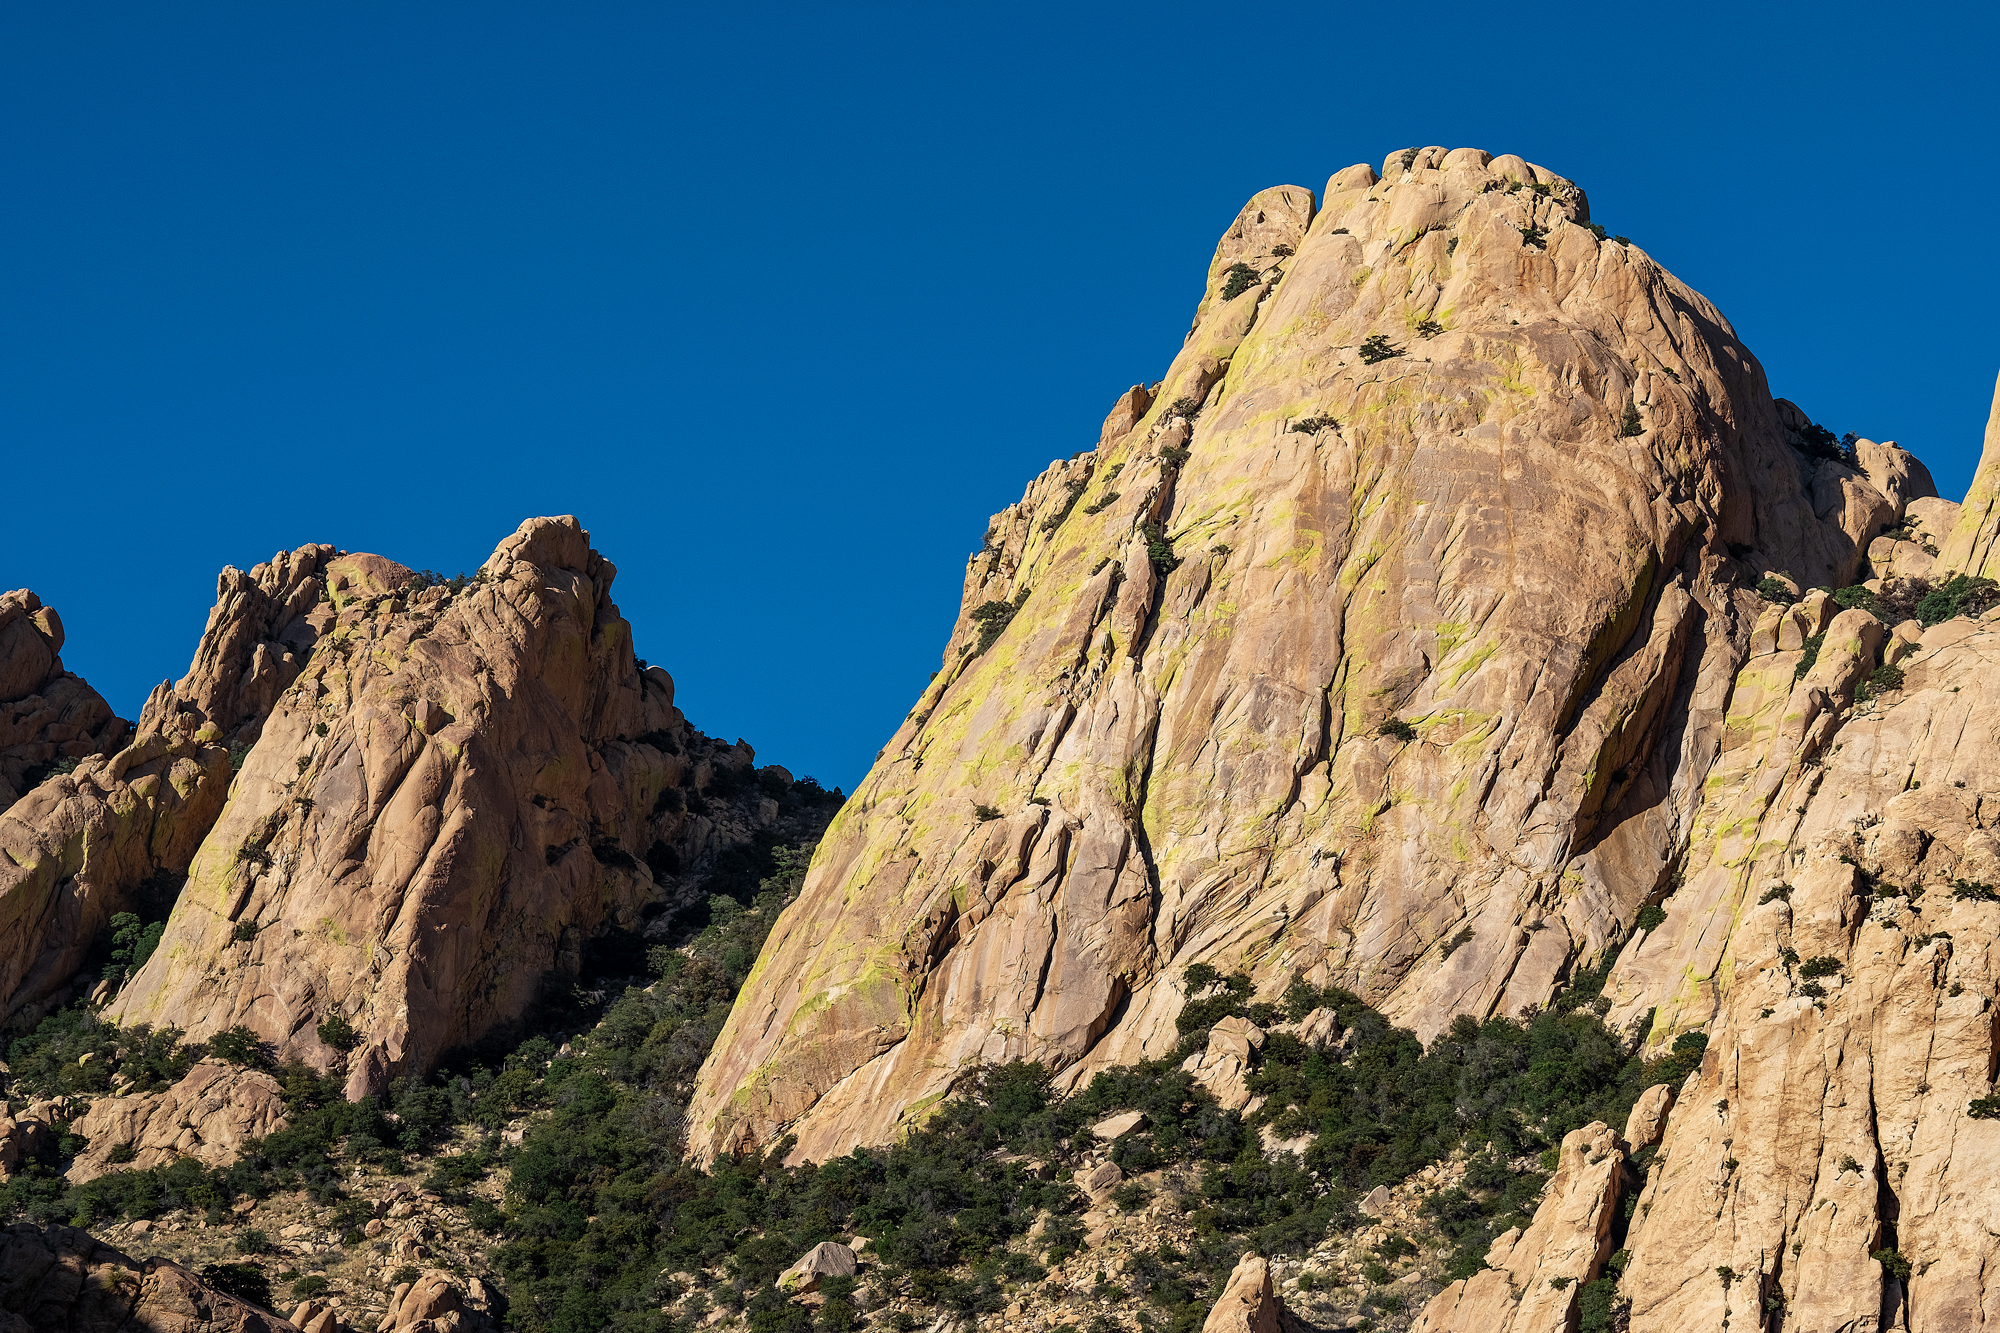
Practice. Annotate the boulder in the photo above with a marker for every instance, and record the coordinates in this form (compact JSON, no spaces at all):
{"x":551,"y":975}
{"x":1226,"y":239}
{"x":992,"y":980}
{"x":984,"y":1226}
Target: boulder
{"x":434,"y":1303}
{"x":1647,"y":1123}
{"x":824,"y":1260}
{"x":1229,"y":1056}
{"x":1112,"y":1127}
{"x":1533,"y":1278}
{"x":1098,"y":1182}
{"x":47,"y":714}
{"x":21,"y":1138}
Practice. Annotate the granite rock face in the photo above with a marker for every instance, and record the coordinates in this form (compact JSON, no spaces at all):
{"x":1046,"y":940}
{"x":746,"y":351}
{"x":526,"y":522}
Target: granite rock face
{"x":47,"y":714}
{"x":1399,"y":620}
{"x":447,"y":791}
{"x":209,"y":1115}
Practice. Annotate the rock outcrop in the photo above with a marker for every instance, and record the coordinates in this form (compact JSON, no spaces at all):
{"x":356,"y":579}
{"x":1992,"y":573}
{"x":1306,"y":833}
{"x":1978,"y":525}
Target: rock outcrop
{"x":1248,"y":1303}
{"x":1533,"y":1277}
{"x":62,"y":1278}
{"x":1388,"y":640}
{"x":47,"y":714}
{"x":447,"y":791}
{"x":209,"y":1115}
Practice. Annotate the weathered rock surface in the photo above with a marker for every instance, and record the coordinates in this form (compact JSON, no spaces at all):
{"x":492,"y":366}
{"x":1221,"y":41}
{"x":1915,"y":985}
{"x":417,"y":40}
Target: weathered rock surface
{"x":59,"y":1278}
{"x":209,"y":1115}
{"x":827,"y":1259}
{"x":1248,"y":1303}
{"x":1304,"y":669}
{"x":1222,"y":1065}
{"x":1534,"y":1277}
{"x":1974,"y":544}
{"x":447,"y":792}
{"x":21,"y":1137}
{"x":436,"y":1304}
{"x":46,"y":713}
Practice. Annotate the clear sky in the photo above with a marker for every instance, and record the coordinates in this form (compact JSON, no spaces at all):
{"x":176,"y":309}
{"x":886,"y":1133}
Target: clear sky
{"x":784,"y":301}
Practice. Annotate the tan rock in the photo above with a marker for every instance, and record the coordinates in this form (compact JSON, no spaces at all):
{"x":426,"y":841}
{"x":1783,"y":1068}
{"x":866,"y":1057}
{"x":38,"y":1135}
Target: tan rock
{"x":447,"y":794}
{"x":435,"y":1304}
{"x":1229,"y":1056}
{"x":1099,"y":1181}
{"x":46,"y":713}
{"x":209,"y":1115}
{"x":21,"y":1139}
{"x":61,"y":1278}
{"x":1973,"y":547}
{"x":824,"y":1260}
{"x":1189,"y":755}
{"x":1647,"y":1123}
{"x":1248,"y":1303}
{"x":1535,"y":1277}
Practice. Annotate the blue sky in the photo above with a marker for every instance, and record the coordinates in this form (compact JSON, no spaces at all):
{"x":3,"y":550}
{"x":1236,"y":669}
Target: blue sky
{"x":784,"y":301}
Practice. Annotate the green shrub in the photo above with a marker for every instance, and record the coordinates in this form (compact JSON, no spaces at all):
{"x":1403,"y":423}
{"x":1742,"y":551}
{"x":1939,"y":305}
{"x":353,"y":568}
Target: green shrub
{"x":985,"y":813}
{"x":1538,"y":237}
{"x":246,"y":1282}
{"x":1377,"y":347}
{"x":1241,"y":278}
{"x":1959,"y":595}
{"x":1375,"y":1273}
{"x":245,"y":932}
{"x":1880,"y":681}
{"x":1809,"y":655}
{"x":1458,"y":941}
{"x":1072,"y":491}
{"x":1822,"y":966}
{"x":1630,"y":424}
{"x":1782,"y":893}
{"x":238,"y":1045}
{"x":1597,"y":1306}
{"x":1429,"y":328}
{"x":1894,"y":1265}
{"x":252,"y":1240}
{"x":1984,"y":1108}
{"x":1817,"y":442}
{"x":1973,"y":891}
{"x":338,"y":1033}
{"x":1396,"y":729}
{"x":1596,"y":230}
{"x":993,"y":619}
{"x":1159,"y":550}
{"x":1651,"y":917}
{"x":1771,"y":590}
{"x":1313,"y":425}
{"x":1174,"y":455}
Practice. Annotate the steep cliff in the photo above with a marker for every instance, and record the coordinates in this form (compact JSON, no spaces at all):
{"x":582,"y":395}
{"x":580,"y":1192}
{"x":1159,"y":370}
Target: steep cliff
{"x":1389,"y":640}
{"x":47,"y":715}
{"x":448,"y":791}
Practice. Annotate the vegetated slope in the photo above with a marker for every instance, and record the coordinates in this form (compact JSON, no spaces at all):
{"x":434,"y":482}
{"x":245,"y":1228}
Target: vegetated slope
{"x":1388,"y":640}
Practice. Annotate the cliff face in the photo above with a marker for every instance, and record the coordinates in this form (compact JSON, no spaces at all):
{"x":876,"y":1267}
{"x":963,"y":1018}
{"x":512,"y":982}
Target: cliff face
{"x":1390,"y":639}
{"x":47,"y":714}
{"x":450,"y":790}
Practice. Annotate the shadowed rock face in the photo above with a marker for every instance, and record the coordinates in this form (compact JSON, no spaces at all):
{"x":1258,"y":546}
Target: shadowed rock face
{"x":1321,"y":661}
{"x":449,"y":792}
{"x":62,"y":1278}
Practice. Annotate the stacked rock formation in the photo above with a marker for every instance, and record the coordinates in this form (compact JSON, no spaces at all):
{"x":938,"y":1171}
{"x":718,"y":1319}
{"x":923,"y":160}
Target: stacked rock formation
{"x":1407,"y":606}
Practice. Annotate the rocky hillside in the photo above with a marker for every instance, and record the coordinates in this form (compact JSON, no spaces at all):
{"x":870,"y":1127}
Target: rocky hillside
{"x":1458,"y":612}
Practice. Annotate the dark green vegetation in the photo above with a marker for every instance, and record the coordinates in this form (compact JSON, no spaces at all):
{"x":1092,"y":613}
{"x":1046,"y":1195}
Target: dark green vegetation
{"x":1817,"y":442}
{"x":1377,"y":347}
{"x":1159,"y":550}
{"x":993,"y":619}
{"x":604,"y":1224}
{"x":1396,"y":729}
{"x":1631,"y":425}
{"x":1313,"y":425}
{"x":1241,"y":279}
{"x":1771,"y":590}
